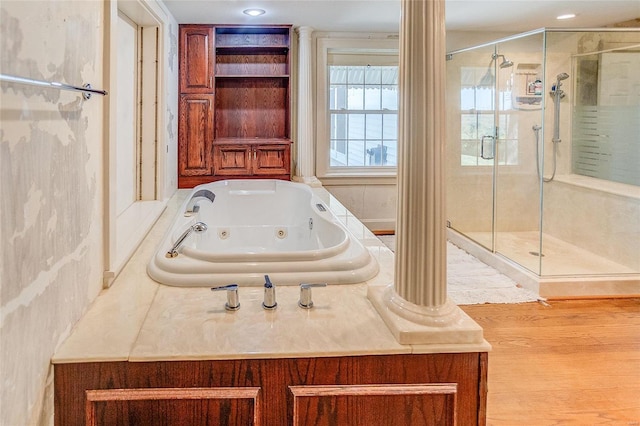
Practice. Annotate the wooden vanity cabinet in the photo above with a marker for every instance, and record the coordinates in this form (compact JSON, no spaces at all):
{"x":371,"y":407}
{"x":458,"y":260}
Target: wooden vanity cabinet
{"x":249,"y":158}
{"x":246,"y":131}
{"x":404,"y":389}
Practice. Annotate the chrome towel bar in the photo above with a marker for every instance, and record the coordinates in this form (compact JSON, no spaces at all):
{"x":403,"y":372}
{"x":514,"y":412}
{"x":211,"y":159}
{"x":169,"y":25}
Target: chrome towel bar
{"x":86,"y":89}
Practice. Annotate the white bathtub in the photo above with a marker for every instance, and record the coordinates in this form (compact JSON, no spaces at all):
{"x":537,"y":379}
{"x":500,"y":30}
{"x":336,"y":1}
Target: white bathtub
{"x":258,"y":227}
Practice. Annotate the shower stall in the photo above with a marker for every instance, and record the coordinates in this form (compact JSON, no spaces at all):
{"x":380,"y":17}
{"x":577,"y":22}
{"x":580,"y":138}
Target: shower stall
{"x":543,"y":158}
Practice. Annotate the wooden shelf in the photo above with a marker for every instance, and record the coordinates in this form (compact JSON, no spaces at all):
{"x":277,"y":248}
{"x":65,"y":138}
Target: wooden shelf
{"x":252,"y":76}
{"x":251,"y":141}
{"x":251,"y":50}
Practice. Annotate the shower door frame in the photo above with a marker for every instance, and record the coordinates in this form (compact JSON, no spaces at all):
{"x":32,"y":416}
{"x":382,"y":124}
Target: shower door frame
{"x":492,"y":244}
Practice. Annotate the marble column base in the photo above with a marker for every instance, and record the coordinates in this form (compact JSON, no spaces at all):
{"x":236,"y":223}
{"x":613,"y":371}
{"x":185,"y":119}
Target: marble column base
{"x":312,"y":181}
{"x":450,"y":325}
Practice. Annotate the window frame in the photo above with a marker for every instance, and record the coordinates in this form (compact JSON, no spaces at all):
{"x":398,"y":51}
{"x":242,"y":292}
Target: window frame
{"x":499,"y":130}
{"x":363,"y":48}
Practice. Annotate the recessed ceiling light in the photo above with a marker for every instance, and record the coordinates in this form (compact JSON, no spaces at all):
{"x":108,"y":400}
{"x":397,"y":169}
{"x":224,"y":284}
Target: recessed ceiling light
{"x":253,"y":12}
{"x":566,"y":16}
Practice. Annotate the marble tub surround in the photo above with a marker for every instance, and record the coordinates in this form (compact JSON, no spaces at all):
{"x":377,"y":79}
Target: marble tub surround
{"x":194,"y":325}
{"x":138,"y":319}
{"x":118,"y":312}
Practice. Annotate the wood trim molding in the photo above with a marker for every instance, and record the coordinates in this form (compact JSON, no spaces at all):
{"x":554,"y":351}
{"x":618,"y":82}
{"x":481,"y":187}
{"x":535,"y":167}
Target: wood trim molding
{"x":95,"y":396}
{"x":373,"y":390}
{"x":348,"y":403}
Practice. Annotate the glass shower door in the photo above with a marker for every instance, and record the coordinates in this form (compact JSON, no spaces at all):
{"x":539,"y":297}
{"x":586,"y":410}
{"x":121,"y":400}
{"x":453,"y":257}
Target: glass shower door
{"x":519,"y":120}
{"x":471,"y":145}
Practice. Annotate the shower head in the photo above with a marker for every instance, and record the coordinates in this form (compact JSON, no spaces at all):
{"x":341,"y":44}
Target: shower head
{"x":505,"y":62}
{"x":562,"y":76}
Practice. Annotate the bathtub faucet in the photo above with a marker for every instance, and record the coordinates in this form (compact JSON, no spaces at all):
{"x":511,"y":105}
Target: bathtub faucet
{"x":198,"y":228}
{"x":192,"y":205}
{"x":305,"y":301}
{"x":269,"y":294}
{"x":233,"y":304}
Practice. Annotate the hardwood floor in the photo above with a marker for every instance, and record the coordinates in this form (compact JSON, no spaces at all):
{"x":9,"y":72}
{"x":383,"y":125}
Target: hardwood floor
{"x":573,"y":362}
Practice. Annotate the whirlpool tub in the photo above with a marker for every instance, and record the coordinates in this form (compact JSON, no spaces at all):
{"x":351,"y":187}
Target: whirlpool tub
{"x":236,"y":231}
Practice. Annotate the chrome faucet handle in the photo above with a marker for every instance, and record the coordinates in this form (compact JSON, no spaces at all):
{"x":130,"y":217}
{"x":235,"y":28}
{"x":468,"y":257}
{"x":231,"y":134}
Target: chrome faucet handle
{"x":233,"y":303}
{"x":269,"y":294}
{"x":305,"y":301}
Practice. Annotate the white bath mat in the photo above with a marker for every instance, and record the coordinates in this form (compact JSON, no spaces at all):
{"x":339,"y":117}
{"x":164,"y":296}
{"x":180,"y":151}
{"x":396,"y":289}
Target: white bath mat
{"x":471,"y":282}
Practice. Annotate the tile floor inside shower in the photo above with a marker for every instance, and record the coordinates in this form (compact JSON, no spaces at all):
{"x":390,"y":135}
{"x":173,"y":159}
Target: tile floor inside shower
{"x":559,"y":257}
{"x":568,"y":271}
{"x":571,"y":272}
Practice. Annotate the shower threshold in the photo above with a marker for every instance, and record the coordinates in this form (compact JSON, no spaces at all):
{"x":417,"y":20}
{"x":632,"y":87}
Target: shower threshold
{"x":568,"y":271}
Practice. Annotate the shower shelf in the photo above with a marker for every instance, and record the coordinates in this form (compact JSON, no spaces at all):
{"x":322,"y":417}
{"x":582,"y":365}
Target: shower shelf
{"x":528,"y":86}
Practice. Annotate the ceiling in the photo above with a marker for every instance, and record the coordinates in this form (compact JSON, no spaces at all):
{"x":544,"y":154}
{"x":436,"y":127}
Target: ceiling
{"x":384,"y":15}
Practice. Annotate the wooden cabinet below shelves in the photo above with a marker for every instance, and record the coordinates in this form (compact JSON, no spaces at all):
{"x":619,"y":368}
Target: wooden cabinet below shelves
{"x":252,"y":159}
{"x":271,"y":159}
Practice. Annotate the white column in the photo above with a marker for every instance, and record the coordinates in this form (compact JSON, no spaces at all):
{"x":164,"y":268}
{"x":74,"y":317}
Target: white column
{"x":416,"y":307}
{"x":305,"y":159}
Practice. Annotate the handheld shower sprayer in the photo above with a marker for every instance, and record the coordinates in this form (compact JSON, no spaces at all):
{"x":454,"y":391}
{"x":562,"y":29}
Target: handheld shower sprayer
{"x":557,"y":93}
{"x":555,"y":89}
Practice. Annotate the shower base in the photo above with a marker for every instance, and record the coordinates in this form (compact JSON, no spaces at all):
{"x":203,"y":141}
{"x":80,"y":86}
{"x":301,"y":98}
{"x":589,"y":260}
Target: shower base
{"x":567,"y":270}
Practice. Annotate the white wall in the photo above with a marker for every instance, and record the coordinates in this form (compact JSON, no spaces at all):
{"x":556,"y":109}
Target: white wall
{"x":374,"y":205}
{"x":51,"y":185}
{"x":51,"y":218}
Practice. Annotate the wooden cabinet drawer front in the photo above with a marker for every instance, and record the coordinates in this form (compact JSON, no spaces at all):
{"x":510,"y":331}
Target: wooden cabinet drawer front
{"x":175,"y":406}
{"x":271,"y":160}
{"x":415,"y":405}
{"x":232,"y":160}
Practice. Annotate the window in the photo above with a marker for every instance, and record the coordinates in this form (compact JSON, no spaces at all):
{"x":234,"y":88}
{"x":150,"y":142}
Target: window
{"x":363,"y":108}
{"x":477,"y":120}
{"x":357,"y":108}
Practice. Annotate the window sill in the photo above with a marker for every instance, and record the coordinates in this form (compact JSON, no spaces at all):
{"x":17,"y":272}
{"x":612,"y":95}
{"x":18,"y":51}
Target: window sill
{"x":359,"y":179}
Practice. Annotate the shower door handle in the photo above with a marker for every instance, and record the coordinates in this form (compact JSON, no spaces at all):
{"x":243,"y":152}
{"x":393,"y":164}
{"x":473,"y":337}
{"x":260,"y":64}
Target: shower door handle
{"x":492,"y":152}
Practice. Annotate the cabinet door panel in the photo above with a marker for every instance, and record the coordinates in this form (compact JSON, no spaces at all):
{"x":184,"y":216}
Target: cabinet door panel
{"x":196,"y":59}
{"x":232,"y":160}
{"x":271,"y":159}
{"x":415,"y":405}
{"x":176,"y":406}
{"x":195,"y":135}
